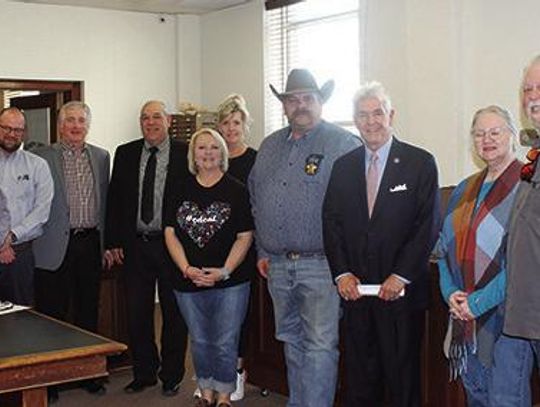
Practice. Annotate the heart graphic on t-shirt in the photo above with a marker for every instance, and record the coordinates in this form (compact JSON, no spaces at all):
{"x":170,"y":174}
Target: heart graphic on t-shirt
{"x":202,"y":224}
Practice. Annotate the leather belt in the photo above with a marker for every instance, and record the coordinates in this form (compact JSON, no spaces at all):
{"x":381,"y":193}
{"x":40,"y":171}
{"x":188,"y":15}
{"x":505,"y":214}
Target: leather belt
{"x":150,"y":236}
{"x":292,"y":255}
{"x":81,"y":232}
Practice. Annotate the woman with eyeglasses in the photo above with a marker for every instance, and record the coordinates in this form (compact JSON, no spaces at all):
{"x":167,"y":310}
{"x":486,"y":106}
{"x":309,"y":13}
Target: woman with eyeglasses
{"x":471,"y":251}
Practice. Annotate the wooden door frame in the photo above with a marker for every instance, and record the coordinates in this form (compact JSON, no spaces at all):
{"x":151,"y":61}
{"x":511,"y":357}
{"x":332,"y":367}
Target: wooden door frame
{"x":65,"y":91}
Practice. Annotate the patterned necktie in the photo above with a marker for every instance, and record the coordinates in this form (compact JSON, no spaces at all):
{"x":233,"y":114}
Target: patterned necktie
{"x":372,"y":179}
{"x":147,"y":201}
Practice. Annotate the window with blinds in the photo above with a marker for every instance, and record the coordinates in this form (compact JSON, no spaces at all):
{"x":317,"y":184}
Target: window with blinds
{"x":323,"y":36}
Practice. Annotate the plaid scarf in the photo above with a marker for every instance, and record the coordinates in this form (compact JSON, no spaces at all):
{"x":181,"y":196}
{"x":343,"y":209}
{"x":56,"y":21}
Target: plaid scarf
{"x":473,"y":241}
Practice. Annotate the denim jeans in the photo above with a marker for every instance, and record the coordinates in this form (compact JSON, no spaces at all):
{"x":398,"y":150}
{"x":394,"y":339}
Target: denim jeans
{"x":214,"y":318}
{"x":506,"y":382}
{"x":306,"y":308}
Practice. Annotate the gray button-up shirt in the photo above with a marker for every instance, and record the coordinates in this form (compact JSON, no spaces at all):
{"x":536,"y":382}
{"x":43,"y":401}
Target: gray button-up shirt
{"x":26,"y":181}
{"x":162,"y":157}
{"x":5,"y":219}
{"x":287,"y":186}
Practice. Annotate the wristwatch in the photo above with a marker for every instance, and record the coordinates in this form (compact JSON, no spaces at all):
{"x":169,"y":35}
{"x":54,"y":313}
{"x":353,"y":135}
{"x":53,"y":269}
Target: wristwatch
{"x":225,"y":273}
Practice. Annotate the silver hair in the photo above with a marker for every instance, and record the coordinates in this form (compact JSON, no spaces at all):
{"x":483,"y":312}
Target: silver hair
{"x":534,"y":61}
{"x":75,"y":104}
{"x":159,"y":102}
{"x":499,"y":111}
{"x":373,"y":89}
{"x":192,"y":166}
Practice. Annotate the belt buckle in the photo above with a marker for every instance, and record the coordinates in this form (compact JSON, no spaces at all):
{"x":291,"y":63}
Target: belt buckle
{"x":293,"y":255}
{"x":145,"y":237}
{"x":78,"y":231}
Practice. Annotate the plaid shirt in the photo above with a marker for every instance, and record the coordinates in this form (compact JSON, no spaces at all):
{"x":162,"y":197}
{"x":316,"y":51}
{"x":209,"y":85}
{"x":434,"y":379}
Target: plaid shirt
{"x":80,"y":187}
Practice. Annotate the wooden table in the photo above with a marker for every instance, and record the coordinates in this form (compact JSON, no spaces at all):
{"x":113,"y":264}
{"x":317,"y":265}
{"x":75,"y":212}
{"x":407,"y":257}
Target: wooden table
{"x":37,"y":351}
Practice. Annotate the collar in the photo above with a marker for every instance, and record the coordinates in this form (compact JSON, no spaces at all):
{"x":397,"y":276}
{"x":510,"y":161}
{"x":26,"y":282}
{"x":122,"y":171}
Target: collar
{"x":71,"y":149}
{"x":160,"y":146}
{"x":306,"y":134}
{"x":382,"y":152}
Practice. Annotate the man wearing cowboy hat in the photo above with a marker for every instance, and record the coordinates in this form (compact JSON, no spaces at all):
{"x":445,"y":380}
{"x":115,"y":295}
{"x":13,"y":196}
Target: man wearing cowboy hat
{"x":287,"y":186}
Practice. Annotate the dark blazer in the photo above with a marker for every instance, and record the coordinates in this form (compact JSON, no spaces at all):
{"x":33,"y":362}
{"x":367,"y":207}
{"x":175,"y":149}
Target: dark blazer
{"x":399,"y":236}
{"x":123,"y":198}
{"x":50,"y":248}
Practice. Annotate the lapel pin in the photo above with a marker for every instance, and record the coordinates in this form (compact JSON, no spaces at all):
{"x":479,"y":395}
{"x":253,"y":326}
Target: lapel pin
{"x":396,"y":160}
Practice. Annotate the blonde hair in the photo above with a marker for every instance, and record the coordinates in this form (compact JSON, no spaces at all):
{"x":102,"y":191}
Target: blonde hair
{"x":192,"y":166}
{"x":232,"y":104}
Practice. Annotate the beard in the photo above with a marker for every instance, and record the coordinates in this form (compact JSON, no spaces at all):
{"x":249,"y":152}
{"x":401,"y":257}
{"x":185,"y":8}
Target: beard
{"x":10,"y":147}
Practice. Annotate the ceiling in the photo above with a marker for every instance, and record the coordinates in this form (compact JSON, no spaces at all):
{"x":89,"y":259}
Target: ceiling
{"x":150,"y":6}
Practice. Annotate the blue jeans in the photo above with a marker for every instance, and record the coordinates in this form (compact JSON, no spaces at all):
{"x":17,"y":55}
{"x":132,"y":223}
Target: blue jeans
{"x":214,"y":318}
{"x":506,"y":382}
{"x":306,"y":308}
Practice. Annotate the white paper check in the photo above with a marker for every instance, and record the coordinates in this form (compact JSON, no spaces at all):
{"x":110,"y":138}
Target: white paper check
{"x":373,"y":289}
{"x":7,"y":307}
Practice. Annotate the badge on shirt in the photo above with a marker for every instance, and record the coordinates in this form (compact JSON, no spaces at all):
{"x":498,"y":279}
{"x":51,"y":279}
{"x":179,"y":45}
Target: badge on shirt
{"x":313,"y":162}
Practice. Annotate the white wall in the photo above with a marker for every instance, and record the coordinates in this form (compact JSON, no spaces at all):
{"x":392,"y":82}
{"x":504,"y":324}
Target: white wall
{"x":440,"y":60}
{"x":232,"y":60}
{"x":188,"y":59}
{"x":124,"y":59}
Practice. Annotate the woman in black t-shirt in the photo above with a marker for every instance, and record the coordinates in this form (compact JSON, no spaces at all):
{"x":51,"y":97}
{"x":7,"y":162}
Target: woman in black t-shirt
{"x":209,"y":229}
{"x":233,"y":124}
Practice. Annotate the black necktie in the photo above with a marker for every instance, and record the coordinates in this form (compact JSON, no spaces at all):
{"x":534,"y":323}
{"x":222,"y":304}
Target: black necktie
{"x":147,"y":201}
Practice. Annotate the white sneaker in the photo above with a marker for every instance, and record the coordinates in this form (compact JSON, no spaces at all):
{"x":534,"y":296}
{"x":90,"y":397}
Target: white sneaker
{"x":238,"y":394}
{"x":197,"y":393}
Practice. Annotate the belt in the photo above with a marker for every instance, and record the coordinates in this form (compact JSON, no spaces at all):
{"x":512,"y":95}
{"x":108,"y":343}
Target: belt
{"x":292,"y":255}
{"x":81,"y":232}
{"x":150,"y":236}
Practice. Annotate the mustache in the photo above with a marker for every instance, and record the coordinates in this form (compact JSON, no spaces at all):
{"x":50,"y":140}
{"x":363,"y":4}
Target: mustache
{"x":533,"y":107}
{"x":300,"y":112}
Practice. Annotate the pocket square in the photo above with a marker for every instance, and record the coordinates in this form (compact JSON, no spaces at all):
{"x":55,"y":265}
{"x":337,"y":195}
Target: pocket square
{"x":398,"y":188}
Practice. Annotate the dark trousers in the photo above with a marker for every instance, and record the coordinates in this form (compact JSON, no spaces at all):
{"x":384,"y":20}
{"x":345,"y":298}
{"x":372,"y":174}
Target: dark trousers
{"x":17,"y":278}
{"x":382,"y":346}
{"x":148,"y":263}
{"x":71,"y":292}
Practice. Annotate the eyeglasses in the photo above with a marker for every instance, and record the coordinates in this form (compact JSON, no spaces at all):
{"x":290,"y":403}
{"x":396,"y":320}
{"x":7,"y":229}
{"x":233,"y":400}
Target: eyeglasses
{"x":16,"y":130}
{"x":527,"y":171}
{"x":528,"y":88}
{"x":495,"y":133}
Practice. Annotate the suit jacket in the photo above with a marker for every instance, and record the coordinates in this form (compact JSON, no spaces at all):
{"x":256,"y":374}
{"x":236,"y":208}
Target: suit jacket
{"x":123,"y":199}
{"x":399,"y":236}
{"x":50,"y":248}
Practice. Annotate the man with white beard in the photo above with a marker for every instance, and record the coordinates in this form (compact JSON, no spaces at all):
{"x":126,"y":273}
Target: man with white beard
{"x":522,"y":317}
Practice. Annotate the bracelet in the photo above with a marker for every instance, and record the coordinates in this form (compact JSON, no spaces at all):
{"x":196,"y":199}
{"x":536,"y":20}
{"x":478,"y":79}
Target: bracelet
{"x":225,"y":273}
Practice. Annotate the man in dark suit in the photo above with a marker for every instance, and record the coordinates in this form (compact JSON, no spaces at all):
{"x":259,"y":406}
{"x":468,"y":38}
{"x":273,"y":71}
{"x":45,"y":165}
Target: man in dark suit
{"x":141,"y":172}
{"x":68,"y":253}
{"x":378,"y":229}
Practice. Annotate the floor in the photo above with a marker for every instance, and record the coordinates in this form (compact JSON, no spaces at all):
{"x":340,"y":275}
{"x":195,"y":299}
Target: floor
{"x":75,"y":397}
